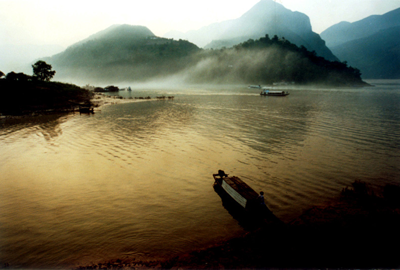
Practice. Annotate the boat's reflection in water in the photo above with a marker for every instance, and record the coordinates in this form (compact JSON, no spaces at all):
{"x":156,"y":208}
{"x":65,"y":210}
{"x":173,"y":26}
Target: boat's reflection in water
{"x":249,"y":220}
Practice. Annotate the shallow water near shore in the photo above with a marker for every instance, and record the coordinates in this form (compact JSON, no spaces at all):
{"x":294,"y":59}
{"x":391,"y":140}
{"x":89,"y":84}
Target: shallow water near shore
{"x":135,"y":180}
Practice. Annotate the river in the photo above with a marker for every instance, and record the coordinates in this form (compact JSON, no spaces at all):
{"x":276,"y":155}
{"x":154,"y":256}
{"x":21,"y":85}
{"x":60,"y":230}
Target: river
{"x":134,"y":180}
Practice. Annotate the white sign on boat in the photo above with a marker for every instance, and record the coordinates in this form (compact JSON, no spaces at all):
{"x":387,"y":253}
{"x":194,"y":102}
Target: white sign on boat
{"x":234,"y":194}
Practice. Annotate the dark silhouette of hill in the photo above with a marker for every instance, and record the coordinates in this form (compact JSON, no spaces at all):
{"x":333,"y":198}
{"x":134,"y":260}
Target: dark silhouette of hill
{"x":266,"y":17}
{"x":371,"y":44}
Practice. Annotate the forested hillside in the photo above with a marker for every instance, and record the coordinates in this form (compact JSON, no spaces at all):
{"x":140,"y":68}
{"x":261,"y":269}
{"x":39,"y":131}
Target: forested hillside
{"x":266,"y":60}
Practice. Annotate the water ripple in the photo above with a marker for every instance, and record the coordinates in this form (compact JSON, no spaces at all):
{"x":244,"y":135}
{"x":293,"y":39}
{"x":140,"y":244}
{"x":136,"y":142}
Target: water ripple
{"x":119,"y":183}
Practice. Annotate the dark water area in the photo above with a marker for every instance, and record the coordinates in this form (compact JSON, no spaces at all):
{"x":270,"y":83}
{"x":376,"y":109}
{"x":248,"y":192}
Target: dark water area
{"x":135,"y":180}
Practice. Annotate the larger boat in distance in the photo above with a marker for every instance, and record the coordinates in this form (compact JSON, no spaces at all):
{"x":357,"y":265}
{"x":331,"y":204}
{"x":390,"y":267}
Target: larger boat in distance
{"x":279,"y":93}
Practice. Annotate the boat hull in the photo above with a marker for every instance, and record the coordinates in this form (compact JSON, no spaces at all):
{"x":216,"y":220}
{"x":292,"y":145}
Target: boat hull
{"x":241,"y":197}
{"x":238,"y":190}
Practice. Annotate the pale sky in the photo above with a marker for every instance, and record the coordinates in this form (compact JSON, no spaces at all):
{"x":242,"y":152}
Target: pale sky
{"x":63,"y":23}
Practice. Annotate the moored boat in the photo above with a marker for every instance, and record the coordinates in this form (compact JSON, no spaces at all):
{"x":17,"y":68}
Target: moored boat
{"x":238,"y":190}
{"x":244,"y":197}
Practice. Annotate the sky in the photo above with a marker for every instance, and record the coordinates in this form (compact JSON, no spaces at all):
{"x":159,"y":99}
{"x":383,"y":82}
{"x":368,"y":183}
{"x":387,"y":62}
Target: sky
{"x":36,"y":23}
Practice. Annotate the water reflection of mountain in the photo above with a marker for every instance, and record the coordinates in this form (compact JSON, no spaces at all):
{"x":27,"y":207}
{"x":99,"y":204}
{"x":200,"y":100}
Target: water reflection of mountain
{"x":265,"y":124}
{"x":148,"y":119}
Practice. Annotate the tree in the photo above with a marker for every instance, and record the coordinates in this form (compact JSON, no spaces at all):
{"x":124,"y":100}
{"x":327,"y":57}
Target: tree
{"x":11,"y":76}
{"x":1,"y":74}
{"x":42,"y":71}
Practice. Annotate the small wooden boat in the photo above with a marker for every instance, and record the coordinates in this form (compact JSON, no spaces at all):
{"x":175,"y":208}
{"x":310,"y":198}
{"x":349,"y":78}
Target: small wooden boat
{"x":244,"y":197}
{"x":267,"y":92}
{"x":238,"y":190}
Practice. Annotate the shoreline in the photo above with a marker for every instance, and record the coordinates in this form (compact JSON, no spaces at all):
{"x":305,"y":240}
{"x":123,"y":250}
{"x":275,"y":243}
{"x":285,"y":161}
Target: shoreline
{"x":99,"y":100}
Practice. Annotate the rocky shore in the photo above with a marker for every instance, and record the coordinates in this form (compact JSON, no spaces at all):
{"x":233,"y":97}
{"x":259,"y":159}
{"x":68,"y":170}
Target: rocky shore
{"x":359,"y":230}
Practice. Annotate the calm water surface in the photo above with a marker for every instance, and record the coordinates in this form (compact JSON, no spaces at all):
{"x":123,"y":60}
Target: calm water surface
{"x":135,"y":180}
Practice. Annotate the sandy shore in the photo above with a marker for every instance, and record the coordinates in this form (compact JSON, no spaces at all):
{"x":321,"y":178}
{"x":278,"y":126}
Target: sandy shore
{"x":100,"y":99}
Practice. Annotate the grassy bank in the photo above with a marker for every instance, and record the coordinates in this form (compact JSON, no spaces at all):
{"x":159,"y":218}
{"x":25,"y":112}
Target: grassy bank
{"x":27,"y":97}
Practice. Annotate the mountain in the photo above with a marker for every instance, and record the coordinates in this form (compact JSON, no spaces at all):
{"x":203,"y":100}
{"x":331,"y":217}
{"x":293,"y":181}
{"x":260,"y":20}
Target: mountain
{"x":377,"y":56}
{"x":120,"y":32}
{"x":121,"y":52}
{"x":266,"y":17}
{"x":372,"y":44}
{"x":344,"y":31}
{"x":126,"y":53}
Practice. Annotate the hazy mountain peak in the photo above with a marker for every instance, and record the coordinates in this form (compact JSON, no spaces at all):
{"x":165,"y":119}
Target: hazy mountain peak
{"x":271,"y":16}
{"x":266,"y":17}
{"x":123,"y":30}
{"x":120,"y":31}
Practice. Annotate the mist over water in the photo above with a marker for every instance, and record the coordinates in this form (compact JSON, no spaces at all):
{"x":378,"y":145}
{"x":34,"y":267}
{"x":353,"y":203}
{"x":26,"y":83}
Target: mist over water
{"x":135,"y":180}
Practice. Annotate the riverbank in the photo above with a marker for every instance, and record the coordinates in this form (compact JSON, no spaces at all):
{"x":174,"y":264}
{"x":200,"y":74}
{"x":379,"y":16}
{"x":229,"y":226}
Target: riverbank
{"x":358,"y":230}
{"x":100,"y":99}
{"x":40,"y":97}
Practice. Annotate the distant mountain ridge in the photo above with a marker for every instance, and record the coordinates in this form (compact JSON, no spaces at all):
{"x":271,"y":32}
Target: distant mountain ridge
{"x":375,"y":59}
{"x":266,"y":17}
{"x":344,"y":31}
{"x":371,"y":44}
